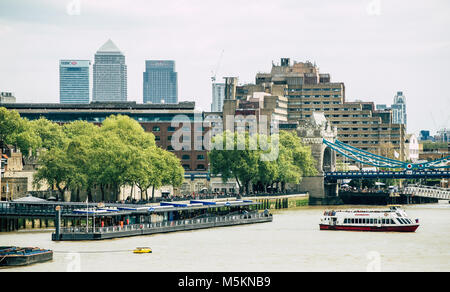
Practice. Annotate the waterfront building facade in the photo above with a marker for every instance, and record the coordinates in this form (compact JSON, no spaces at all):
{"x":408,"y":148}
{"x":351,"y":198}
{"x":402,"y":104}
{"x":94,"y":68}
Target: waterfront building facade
{"x":160,"y":82}
{"x":74,"y":81}
{"x":110,"y":74}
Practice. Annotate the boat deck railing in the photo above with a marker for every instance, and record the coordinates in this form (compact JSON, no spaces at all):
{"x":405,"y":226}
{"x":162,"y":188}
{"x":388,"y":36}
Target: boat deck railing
{"x":165,"y":224}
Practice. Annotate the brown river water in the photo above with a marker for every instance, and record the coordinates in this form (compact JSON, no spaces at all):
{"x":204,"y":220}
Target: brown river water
{"x":292,"y":242}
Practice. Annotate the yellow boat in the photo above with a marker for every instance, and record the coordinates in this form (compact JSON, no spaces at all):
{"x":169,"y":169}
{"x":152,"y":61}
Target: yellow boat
{"x":142,"y":250}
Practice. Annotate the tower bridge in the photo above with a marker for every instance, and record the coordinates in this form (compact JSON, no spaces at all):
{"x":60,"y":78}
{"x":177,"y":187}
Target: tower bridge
{"x":320,"y":136}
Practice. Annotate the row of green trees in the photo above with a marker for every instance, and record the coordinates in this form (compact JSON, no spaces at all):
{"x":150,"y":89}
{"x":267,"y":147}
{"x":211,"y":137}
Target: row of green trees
{"x":277,"y":160}
{"x":80,"y":156}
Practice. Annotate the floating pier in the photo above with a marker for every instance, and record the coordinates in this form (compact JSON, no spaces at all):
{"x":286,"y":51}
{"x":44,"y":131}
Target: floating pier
{"x":167,"y":217}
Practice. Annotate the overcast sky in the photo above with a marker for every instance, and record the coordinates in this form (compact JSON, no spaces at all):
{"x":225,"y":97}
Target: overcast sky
{"x":376,"y":47}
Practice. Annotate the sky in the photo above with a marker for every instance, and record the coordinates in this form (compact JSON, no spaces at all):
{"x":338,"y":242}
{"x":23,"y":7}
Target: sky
{"x":376,"y":47}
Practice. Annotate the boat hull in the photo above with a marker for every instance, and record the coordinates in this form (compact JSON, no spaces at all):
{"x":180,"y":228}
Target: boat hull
{"x":24,"y":260}
{"x":408,"y":228}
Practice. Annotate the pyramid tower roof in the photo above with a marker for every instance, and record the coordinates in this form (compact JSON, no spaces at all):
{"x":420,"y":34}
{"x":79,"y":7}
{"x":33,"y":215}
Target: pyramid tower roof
{"x":109,"y":47}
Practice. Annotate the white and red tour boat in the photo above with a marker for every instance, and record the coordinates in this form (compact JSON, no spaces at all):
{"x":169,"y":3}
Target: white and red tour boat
{"x":392,"y":219}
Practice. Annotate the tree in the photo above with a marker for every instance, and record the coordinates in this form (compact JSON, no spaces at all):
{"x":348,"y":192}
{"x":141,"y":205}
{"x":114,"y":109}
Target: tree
{"x":54,"y":169}
{"x":242,"y":165}
{"x":17,"y":131}
{"x":80,"y":135}
{"x":50,"y":133}
{"x":80,"y":155}
{"x":126,"y":142}
{"x":262,"y":167}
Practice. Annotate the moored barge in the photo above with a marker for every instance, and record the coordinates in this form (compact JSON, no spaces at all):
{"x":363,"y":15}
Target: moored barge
{"x":22,"y":256}
{"x":393,"y":219}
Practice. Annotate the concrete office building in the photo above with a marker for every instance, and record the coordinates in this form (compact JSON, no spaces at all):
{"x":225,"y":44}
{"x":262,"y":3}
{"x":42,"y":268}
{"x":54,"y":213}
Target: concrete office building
{"x":308,"y":91}
{"x":160,"y":82}
{"x":74,"y":81}
{"x":110,"y":74}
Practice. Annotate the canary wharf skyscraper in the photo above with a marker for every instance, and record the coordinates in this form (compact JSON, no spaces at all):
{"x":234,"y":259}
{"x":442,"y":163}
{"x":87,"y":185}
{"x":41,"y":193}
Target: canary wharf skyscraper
{"x":160,"y":82}
{"x":110,"y":74}
{"x":74,"y":81}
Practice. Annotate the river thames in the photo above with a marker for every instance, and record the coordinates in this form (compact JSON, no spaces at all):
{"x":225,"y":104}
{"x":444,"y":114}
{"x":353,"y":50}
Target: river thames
{"x":292,"y":242}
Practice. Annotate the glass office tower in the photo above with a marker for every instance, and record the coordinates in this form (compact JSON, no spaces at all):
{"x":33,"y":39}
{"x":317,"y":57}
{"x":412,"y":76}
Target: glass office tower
{"x":74,"y":81}
{"x":218,"y":95}
{"x":110,"y":74}
{"x":160,"y":82}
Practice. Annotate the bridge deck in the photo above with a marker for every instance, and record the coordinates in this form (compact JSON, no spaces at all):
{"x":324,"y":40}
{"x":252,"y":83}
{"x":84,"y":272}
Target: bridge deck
{"x":429,"y":192}
{"x":388,"y":174}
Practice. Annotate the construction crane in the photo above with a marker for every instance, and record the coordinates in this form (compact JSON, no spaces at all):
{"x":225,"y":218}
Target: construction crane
{"x":214,"y":73}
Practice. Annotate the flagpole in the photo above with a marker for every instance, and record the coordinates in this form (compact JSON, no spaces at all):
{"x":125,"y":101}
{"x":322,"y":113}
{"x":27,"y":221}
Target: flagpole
{"x":87,"y":215}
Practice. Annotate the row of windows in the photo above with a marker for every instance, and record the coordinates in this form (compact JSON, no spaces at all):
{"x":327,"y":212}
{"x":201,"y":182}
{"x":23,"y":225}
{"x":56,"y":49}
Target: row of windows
{"x":365,"y":142}
{"x":187,"y":157}
{"x":187,"y":167}
{"x":368,"y":221}
{"x":198,"y":148}
{"x":172,"y":129}
{"x":314,"y":89}
{"x":354,"y":122}
{"x":187,"y":138}
{"x":314,"y":102}
{"x":363,"y":129}
{"x":316,"y":96}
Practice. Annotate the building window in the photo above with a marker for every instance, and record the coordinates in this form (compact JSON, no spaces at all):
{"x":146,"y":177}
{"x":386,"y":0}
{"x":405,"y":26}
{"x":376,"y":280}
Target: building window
{"x":200,"y":157}
{"x":200,"y":167}
{"x":156,"y":129}
{"x":185,"y":157}
{"x":186,"y":167}
{"x":171,"y":129}
{"x":157,"y":138}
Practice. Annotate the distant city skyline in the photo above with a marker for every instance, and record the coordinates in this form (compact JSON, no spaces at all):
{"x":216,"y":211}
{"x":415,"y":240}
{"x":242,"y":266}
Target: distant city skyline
{"x":400,"y":46}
